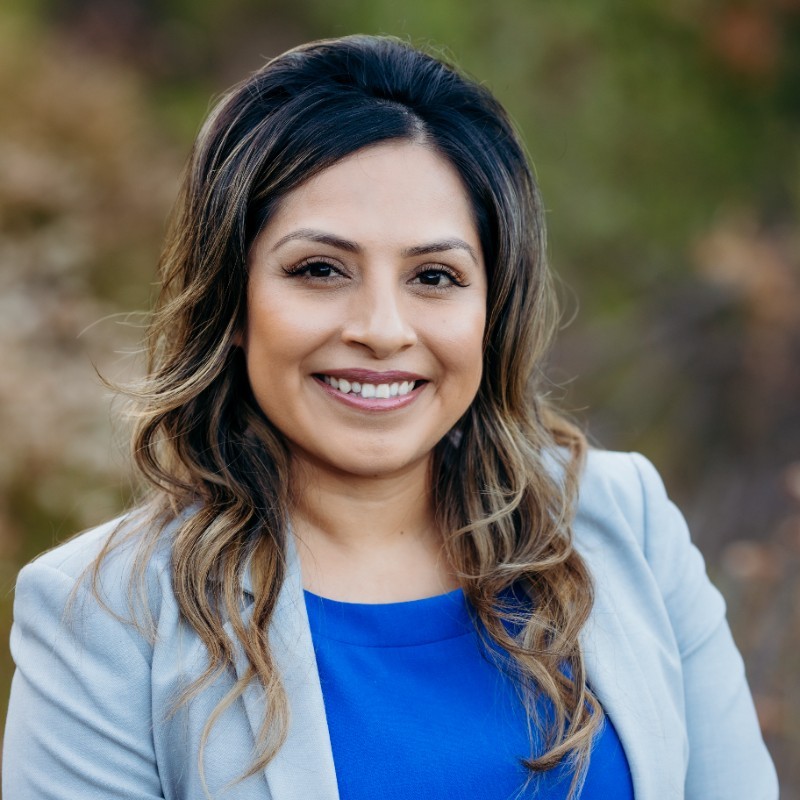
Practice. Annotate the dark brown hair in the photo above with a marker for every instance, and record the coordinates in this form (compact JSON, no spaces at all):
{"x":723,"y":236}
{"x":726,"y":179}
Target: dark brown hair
{"x":504,"y":487}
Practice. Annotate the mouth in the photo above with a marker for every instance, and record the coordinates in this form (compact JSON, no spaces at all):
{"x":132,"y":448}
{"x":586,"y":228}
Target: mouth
{"x":369,"y":390}
{"x":372,"y":391}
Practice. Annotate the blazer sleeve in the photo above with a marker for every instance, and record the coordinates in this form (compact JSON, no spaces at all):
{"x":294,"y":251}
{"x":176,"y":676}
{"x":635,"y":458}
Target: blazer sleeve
{"x":727,"y":755}
{"x":79,"y":717}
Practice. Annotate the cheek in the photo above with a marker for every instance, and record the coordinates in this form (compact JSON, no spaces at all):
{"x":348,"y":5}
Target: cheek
{"x":270,"y":351}
{"x":460,"y":344}
{"x":278,"y":334}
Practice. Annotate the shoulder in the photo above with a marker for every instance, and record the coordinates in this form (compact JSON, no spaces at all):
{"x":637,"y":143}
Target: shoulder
{"x":85,"y":657}
{"x":659,"y":647}
{"x":623,"y":496}
{"x":638,"y":545}
{"x":619,"y":485}
{"x":126,"y":550}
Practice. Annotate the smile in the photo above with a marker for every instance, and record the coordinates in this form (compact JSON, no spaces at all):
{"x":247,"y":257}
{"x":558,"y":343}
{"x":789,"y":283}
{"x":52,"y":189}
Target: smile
{"x":371,"y":390}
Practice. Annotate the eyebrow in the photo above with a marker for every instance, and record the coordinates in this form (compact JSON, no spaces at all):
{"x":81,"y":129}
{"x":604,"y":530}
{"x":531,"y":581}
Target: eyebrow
{"x":322,"y":237}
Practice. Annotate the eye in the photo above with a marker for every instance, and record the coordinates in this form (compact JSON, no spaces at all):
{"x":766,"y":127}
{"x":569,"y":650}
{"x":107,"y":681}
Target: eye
{"x":314,"y":269}
{"x":319,"y":269}
{"x":438,"y":277}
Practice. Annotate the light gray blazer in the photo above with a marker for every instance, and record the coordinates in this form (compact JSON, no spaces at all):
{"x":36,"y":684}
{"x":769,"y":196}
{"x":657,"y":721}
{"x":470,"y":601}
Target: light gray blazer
{"x":86,"y":718}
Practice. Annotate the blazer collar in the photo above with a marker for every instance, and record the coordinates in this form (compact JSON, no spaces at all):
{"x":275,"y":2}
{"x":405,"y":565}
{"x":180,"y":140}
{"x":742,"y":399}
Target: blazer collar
{"x":627,"y":684}
{"x":303,"y":767}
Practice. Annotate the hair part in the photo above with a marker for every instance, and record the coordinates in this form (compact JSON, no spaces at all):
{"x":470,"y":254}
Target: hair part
{"x":201,"y":441}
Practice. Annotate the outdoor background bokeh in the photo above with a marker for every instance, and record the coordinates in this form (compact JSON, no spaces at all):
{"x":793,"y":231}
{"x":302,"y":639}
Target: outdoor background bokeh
{"x":666,"y":138}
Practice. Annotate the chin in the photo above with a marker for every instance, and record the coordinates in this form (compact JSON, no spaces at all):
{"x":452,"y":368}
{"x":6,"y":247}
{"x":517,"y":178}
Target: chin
{"x":369,"y":464}
{"x":378,"y":467}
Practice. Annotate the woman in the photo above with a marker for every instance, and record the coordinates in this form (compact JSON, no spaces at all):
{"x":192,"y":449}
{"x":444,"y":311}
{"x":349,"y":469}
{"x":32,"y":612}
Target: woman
{"x":372,"y":561}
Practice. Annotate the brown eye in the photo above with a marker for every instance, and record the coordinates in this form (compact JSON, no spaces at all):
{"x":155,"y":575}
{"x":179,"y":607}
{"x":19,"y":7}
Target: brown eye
{"x":318,"y":269}
{"x":313,"y":270}
{"x":437,"y":277}
{"x":430,"y":278}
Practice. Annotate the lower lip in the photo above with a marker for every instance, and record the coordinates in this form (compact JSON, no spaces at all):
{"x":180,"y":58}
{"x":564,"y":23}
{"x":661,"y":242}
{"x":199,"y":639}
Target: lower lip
{"x":371,"y":403}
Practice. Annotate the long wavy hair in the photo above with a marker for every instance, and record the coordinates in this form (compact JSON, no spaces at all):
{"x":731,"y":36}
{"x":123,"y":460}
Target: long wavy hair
{"x":504,"y":482}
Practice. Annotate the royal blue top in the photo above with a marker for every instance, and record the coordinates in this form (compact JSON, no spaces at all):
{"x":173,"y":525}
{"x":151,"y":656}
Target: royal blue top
{"x":417,"y":711}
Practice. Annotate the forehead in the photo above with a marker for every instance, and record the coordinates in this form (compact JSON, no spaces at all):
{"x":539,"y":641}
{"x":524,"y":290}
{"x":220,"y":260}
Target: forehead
{"x":394,"y":192}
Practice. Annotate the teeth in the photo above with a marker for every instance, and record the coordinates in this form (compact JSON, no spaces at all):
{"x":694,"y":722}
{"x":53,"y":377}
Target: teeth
{"x":381,"y":391}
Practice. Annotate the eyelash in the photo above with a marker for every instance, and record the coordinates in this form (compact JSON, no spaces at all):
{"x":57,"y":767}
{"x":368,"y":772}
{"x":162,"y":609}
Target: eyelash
{"x":302,"y":269}
{"x":455,"y":278}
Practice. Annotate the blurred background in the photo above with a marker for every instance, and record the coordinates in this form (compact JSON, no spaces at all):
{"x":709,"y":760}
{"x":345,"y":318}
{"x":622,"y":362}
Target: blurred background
{"x":666,"y":138}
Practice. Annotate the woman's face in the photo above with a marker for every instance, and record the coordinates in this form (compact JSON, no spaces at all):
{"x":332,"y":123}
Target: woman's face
{"x":366,"y":308}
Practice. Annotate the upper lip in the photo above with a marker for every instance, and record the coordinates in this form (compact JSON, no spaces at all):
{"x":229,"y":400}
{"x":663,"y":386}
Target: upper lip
{"x":369,"y":376}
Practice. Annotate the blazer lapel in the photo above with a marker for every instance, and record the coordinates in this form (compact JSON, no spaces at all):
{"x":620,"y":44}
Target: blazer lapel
{"x":627,"y":681}
{"x":303,"y":768}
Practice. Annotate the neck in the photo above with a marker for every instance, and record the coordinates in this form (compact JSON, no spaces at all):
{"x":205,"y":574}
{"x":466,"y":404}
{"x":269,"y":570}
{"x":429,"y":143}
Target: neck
{"x":368,"y":539}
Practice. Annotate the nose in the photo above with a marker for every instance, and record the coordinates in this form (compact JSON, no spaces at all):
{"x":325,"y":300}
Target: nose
{"x":380,"y":320}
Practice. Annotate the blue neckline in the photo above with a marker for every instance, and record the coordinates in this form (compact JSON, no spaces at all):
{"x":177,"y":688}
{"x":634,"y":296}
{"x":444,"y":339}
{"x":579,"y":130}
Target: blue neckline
{"x":409,"y":623}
